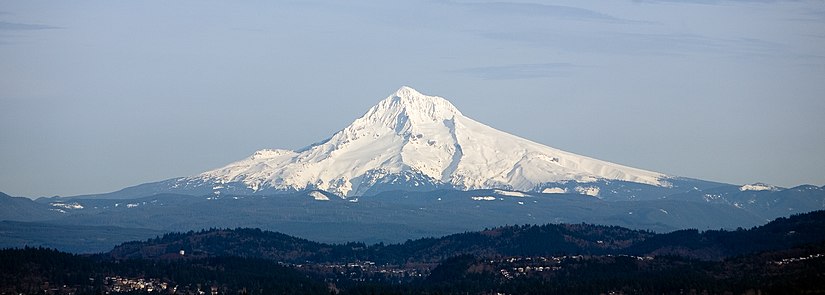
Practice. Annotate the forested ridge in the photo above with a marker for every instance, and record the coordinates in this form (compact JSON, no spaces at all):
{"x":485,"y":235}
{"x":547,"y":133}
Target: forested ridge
{"x":785,"y":256}
{"x":519,"y":240}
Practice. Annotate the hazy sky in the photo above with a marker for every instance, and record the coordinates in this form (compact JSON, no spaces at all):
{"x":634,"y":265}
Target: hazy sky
{"x":99,"y":95}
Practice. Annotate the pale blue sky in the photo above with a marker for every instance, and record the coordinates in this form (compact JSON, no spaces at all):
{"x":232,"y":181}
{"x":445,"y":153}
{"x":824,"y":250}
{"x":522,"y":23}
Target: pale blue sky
{"x":99,"y":95}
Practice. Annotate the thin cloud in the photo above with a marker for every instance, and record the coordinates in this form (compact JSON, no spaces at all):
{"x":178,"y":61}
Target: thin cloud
{"x":642,"y":44}
{"x":9,"y":26}
{"x":712,"y":2}
{"x":538,"y":10}
{"x":811,"y":16}
{"x":520,"y":71}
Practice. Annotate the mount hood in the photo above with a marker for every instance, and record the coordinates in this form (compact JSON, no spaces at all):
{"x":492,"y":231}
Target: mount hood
{"x":412,"y":141}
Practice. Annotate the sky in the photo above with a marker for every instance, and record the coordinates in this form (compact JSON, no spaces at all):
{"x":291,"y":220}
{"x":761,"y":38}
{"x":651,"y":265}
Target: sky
{"x":96,"y":96}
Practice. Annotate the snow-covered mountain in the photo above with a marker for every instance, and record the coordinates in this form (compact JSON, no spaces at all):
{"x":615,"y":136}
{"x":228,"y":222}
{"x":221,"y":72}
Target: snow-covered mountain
{"x":415,"y":166}
{"x":415,"y":141}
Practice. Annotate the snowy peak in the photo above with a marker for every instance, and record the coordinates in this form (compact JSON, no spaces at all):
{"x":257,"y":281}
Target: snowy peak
{"x":408,"y":107}
{"x":412,"y":141}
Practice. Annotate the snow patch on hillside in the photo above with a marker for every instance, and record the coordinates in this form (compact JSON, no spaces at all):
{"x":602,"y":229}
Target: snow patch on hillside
{"x":554,"y":190}
{"x":318,"y":196}
{"x":510,"y":193}
{"x":757,"y":187}
{"x":588,"y":190}
{"x":73,"y":205}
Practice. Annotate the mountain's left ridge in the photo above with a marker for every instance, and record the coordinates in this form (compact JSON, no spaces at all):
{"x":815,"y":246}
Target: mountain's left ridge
{"x":419,"y":142}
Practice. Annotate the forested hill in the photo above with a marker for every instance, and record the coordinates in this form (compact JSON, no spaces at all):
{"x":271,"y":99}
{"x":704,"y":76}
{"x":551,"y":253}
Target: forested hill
{"x":530,"y":240}
{"x":511,"y":260}
{"x":782,"y":233}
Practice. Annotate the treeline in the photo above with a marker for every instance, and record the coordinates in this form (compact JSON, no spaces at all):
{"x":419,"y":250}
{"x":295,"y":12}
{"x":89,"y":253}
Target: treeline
{"x":525,"y":240}
{"x":781,"y":233}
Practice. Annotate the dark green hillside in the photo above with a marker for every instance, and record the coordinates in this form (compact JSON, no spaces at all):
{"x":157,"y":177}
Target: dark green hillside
{"x":785,"y":256}
{"x":33,"y":270}
{"x":781,"y":233}
{"x":550,"y":239}
{"x":527,"y":240}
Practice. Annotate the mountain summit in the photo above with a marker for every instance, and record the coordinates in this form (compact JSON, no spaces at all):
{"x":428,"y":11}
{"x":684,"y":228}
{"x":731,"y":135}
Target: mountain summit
{"x":414,"y":141}
{"x":408,"y":107}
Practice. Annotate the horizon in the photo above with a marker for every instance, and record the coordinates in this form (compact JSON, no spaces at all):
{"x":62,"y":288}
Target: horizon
{"x":99,"y":96}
